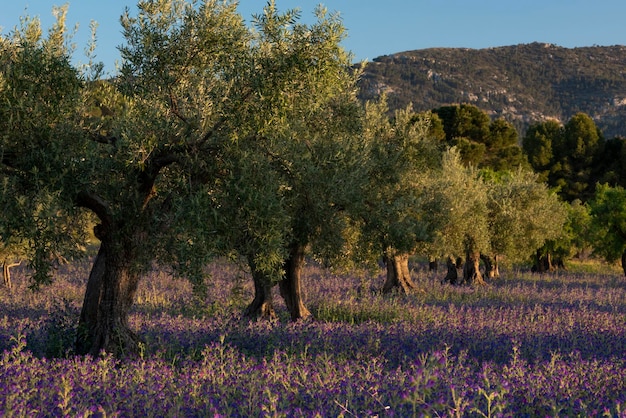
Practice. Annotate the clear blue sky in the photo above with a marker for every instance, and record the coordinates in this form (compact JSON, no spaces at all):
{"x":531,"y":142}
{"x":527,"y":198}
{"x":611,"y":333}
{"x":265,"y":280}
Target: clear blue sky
{"x":385,"y":27}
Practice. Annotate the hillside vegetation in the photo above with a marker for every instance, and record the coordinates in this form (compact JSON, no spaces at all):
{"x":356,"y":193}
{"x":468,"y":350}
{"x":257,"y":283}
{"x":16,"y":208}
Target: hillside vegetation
{"x":522,"y":83}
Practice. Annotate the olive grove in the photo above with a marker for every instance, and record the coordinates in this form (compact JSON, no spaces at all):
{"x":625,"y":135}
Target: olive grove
{"x":221,"y":139}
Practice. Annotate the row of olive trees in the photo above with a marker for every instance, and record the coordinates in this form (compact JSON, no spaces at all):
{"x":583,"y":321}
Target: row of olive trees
{"x":217,"y":138}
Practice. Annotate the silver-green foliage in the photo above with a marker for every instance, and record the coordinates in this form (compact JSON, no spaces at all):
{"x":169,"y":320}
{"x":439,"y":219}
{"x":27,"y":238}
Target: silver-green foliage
{"x":523,"y":215}
{"x":41,"y":147}
{"x":460,"y":206}
{"x":395,"y":204}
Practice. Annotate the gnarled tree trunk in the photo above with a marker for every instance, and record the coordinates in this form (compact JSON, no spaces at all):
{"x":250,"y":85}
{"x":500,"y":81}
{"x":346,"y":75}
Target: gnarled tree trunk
{"x":492,"y":270}
{"x":291,"y":285}
{"x":262,"y":305}
{"x":471,"y":271}
{"x":398,"y":274}
{"x":110,"y":293}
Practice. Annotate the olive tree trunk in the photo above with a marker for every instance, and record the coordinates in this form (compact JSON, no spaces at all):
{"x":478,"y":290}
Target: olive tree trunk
{"x":398,"y":274}
{"x":452,"y":273}
{"x":291,"y":285}
{"x":492,"y":270}
{"x":91,"y":303}
{"x":262,"y":306}
{"x":110,"y":294}
{"x":543,"y":262}
{"x":471,"y":271}
{"x":433,"y":265}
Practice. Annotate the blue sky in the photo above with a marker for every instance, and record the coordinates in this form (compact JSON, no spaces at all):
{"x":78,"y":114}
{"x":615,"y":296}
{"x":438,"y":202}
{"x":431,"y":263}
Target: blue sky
{"x":385,"y":27}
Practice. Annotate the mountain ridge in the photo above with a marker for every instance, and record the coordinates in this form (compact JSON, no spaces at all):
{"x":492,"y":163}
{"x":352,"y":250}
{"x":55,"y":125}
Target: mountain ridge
{"x":522,"y":83}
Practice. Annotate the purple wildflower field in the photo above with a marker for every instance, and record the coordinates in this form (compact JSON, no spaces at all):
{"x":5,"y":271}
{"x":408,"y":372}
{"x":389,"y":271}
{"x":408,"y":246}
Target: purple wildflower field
{"x":529,"y":345}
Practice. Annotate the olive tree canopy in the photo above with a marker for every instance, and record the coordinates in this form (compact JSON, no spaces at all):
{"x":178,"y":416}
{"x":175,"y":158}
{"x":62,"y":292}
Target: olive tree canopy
{"x":394,"y":211}
{"x":523,"y":215}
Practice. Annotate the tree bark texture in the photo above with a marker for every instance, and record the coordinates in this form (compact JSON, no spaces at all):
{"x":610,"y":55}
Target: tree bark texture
{"x":262,"y":306}
{"x":492,"y":270}
{"x":110,"y":293}
{"x":91,"y":303}
{"x":291,"y":285}
{"x":471,"y":271}
{"x":6,"y":275}
{"x":398,"y":274}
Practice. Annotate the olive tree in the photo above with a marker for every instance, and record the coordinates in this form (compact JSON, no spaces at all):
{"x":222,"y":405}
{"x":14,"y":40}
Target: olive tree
{"x":460,"y":197}
{"x":395,"y":219}
{"x":40,"y":94}
{"x":308,"y":149}
{"x":136,"y":171}
{"x":523,"y":215}
{"x":576,"y":237}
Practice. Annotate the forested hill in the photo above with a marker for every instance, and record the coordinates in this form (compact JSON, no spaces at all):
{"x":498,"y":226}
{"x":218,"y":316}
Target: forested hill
{"x":523,"y":83}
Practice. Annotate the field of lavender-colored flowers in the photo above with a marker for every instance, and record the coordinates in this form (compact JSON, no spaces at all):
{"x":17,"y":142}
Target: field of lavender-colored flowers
{"x":528,"y":345}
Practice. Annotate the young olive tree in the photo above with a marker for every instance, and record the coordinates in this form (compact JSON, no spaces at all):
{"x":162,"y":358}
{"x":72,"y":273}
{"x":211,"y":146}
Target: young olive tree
{"x":394,"y":203}
{"x":461,"y":199}
{"x":523,"y":215}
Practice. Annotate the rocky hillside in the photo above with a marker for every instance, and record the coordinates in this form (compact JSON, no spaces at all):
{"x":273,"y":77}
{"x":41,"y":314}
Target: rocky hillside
{"x":522,"y":83}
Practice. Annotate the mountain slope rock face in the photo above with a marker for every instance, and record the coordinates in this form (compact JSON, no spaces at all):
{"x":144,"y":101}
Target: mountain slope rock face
{"x":523,"y":83}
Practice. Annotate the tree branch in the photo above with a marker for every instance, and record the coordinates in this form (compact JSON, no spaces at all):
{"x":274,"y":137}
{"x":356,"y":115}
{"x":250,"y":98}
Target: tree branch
{"x":174,"y":109}
{"x":96,"y":204}
{"x":148,"y":176}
